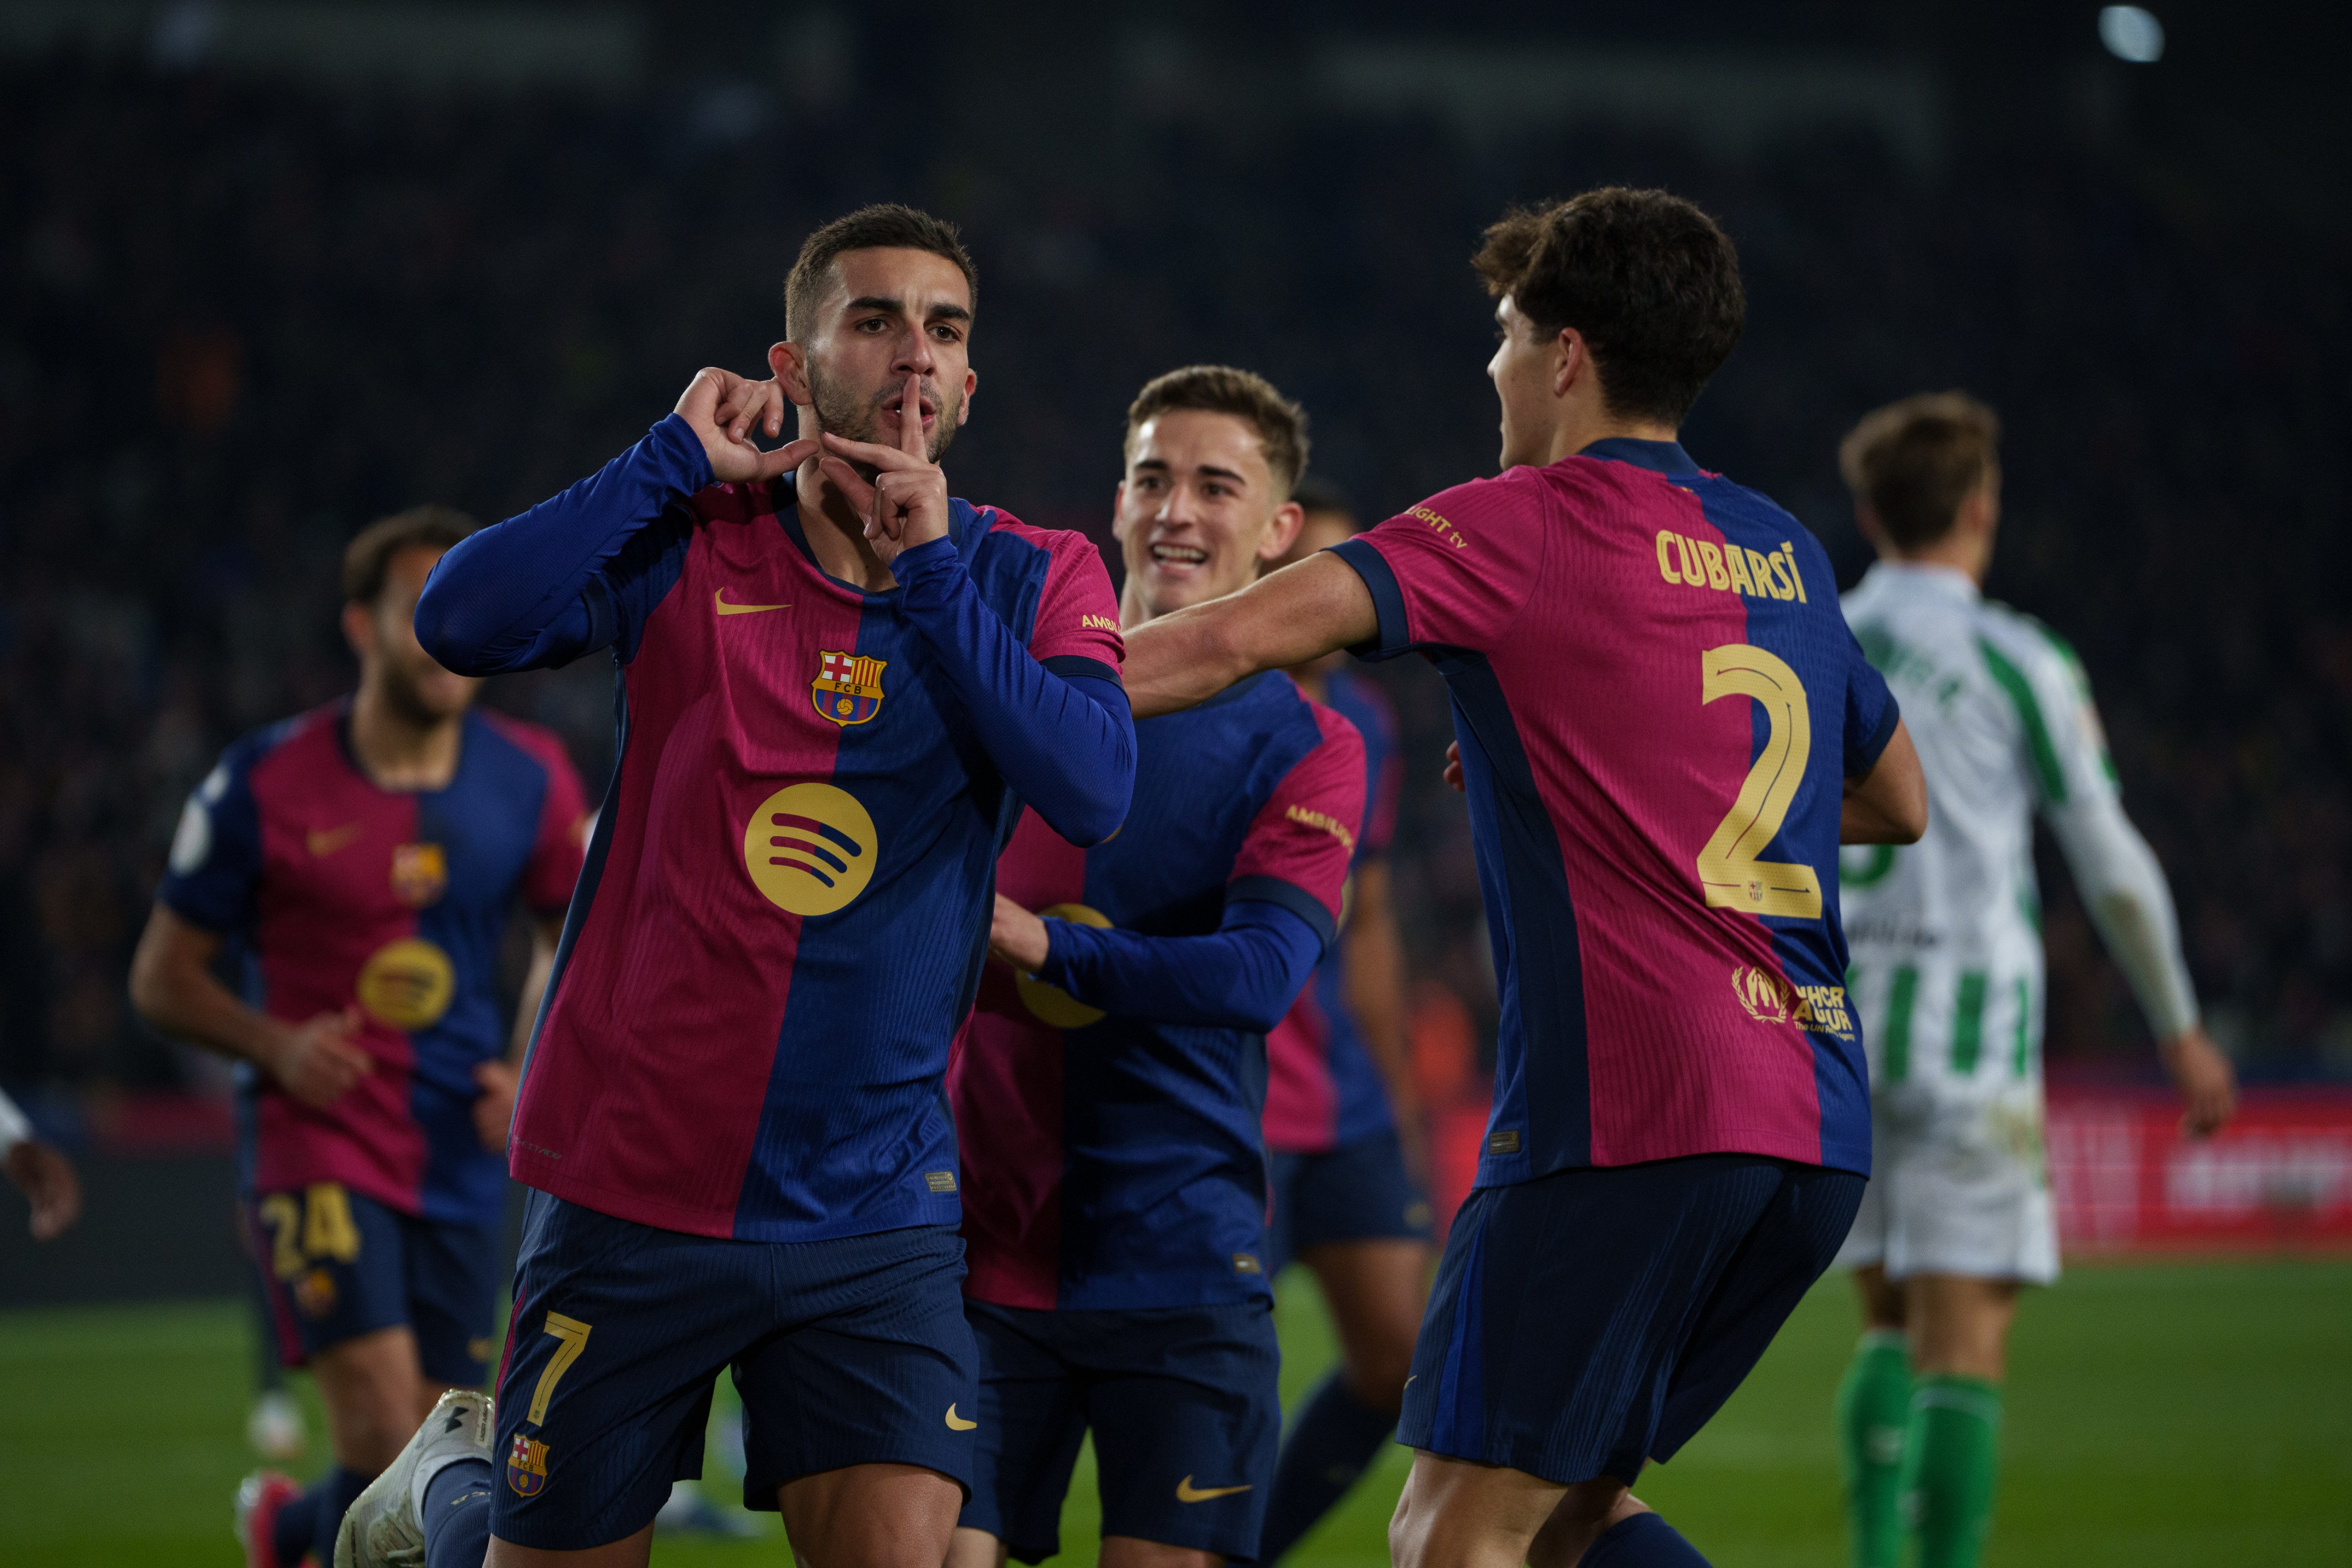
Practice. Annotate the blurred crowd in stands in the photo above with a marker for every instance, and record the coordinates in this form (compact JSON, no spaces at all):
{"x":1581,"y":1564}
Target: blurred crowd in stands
{"x":239,"y":320}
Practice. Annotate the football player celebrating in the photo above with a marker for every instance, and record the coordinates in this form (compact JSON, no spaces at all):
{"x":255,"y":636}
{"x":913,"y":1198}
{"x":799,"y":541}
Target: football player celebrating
{"x":1664,"y":730}
{"x":837,"y":684}
{"x":364,"y":859}
{"x":1343,"y":1125}
{"x":1115,"y":1198}
{"x":1948,"y":968}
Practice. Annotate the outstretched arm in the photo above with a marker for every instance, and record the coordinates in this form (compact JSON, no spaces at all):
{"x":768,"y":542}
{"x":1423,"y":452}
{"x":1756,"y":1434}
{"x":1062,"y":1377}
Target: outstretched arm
{"x":1243,"y":976}
{"x":1287,"y":618}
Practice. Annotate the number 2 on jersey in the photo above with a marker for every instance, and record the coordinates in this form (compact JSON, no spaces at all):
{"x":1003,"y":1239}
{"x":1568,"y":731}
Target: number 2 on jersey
{"x":1728,"y":868}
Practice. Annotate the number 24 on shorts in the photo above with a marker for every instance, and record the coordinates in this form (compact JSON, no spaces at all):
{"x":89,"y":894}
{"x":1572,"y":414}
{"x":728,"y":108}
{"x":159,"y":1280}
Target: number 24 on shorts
{"x":1730,"y":867}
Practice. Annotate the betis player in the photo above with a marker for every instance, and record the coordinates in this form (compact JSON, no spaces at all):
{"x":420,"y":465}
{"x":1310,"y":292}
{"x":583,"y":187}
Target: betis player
{"x":837,"y":687}
{"x":1948,"y":972}
{"x":1664,"y":730}
{"x":1343,"y":1131}
{"x":1110,"y":1083}
{"x":362,"y":861}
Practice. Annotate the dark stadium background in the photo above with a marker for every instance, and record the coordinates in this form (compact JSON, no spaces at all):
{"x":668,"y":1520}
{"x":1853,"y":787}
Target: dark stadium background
{"x":270,"y":270}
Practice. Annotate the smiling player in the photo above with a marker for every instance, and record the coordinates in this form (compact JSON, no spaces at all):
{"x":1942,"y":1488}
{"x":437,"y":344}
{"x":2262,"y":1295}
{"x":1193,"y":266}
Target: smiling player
{"x":836,"y":685}
{"x":364,"y":857}
{"x":1116,"y":1201}
{"x":1664,"y":730}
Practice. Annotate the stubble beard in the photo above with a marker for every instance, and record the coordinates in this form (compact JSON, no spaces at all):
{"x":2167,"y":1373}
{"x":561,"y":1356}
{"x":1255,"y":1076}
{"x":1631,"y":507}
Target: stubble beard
{"x":841,"y":412}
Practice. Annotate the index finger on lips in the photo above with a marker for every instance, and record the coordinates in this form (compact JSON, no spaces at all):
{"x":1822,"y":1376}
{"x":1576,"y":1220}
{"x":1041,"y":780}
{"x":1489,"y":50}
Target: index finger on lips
{"x":911,"y":418}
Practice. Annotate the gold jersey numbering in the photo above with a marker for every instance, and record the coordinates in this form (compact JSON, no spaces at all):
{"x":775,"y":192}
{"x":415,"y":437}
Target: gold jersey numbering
{"x":1731,"y":868}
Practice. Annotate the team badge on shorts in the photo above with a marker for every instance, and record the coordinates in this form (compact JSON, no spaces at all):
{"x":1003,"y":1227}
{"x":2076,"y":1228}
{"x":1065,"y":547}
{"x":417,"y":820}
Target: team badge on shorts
{"x":315,"y":1293}
{"x":849,"y":687}
{"x":526,"y":1466}
{"x":420,"y":874}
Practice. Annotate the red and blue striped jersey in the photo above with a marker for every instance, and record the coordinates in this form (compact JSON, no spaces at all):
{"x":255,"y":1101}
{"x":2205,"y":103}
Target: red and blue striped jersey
{"x":1113,"y":1162}
{"x":786,"y":901}
{"x":340,"y":892}
{"x":1657,"y":702}
{"x":1322,"y":1088}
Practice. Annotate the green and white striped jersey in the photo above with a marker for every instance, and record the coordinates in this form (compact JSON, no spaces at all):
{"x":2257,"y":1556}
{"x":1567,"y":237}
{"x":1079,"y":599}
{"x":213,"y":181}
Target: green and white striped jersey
{"x":1946,"y":935}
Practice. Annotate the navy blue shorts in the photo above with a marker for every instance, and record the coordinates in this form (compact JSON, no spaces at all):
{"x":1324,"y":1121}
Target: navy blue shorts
{"x":849,"y":1351}
{"x":1184,"y":1408}
{"x":1590,"y":1319}
{"x":1358,"y":1192}
{"x":336,"y":1265}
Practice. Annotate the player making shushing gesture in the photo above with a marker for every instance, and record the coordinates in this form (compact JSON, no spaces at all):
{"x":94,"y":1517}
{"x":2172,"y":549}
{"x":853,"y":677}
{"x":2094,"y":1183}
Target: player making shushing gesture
{"x":1666,"y":730}
{"x":838,"y":684}
{"x":1110,"y":1092}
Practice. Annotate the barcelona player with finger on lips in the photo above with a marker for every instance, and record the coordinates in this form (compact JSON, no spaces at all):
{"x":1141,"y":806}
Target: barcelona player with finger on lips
{"x":361,"y":862}
{"x":1111,"y":1081}
{"x":837,"y":687}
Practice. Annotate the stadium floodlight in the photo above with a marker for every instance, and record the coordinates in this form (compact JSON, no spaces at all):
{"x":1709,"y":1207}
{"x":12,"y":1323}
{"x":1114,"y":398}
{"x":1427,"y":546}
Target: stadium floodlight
{"x":2131,"y":34}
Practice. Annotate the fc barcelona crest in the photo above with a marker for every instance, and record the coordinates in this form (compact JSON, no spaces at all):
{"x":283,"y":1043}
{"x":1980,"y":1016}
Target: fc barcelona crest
{"x":527,"y":1466}
{"x":849,"y":687}
{"x":420,"y":874}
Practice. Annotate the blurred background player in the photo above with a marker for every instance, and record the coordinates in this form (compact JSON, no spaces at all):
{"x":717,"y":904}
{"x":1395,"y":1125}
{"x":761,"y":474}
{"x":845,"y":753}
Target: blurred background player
{"x":837,"y":684}
{"x":40,"y":1172}
{"x":1664,"y":731}
{"x":1346,"y":1145}
{"x":1947,"y":976}
{"x":1110,"y":1093}
{"x":363,"y":859}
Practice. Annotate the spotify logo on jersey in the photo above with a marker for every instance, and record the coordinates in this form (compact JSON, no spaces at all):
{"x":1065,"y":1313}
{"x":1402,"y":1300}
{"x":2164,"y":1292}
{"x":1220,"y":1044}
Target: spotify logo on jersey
{"x":810,"y":849}
{"x":408,"y":983}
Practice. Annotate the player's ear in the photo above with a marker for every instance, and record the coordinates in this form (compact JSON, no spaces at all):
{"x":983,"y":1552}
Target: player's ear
{"x":970,"y":385}
{"x":1118,"y":511}
{"x":1283,"y":531}
{"x":1572,"y":359}
{"x":787,"y":362}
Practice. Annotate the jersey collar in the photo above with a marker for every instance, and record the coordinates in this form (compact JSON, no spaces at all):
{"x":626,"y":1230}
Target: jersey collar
{"x":1927,"y":577}
{"x":1659,"y":457}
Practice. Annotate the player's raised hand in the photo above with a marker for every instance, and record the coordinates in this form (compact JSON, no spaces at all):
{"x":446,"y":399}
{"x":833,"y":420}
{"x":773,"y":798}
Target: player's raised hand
{"x":494,"y":1106}
{"x":2209,"y":1084}
{"x":1016,"y":937}
{"x":906,"y":502}
{"x":319,"y":1060}
{"x":46,"y":1179}
{"x":727,"y":412}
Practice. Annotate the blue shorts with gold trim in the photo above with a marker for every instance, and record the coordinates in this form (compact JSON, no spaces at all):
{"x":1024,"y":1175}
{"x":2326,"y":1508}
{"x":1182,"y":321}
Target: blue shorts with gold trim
{"x":1591,"y":1319}
{"x":846,"y":1352}
{"x":336,"y":1264}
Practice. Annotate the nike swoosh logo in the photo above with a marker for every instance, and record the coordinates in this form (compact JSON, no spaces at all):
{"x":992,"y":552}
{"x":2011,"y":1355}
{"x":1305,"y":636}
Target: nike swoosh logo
{"x":1186,"y":1493}
{"x":719,"y":599}
{"x":323,"y":842}
{"x":957,"y":1423}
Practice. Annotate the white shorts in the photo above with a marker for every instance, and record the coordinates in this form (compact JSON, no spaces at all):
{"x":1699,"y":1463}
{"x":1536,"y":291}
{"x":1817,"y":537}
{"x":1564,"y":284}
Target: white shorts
{"x":1958,"y":1185}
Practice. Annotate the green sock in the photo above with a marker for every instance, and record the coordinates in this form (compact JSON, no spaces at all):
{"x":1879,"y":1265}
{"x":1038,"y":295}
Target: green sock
{"x":1874,"y":1404}
{"x":1950,"y":1456}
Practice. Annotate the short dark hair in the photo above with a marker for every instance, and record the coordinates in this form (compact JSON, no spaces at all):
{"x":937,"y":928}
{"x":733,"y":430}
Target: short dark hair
{"x":367,"y":559}
{"x":886,"y":225}
{"x":1913,"y":462}
{"x":1648,"y":279}
{"x":1280,"y":424}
